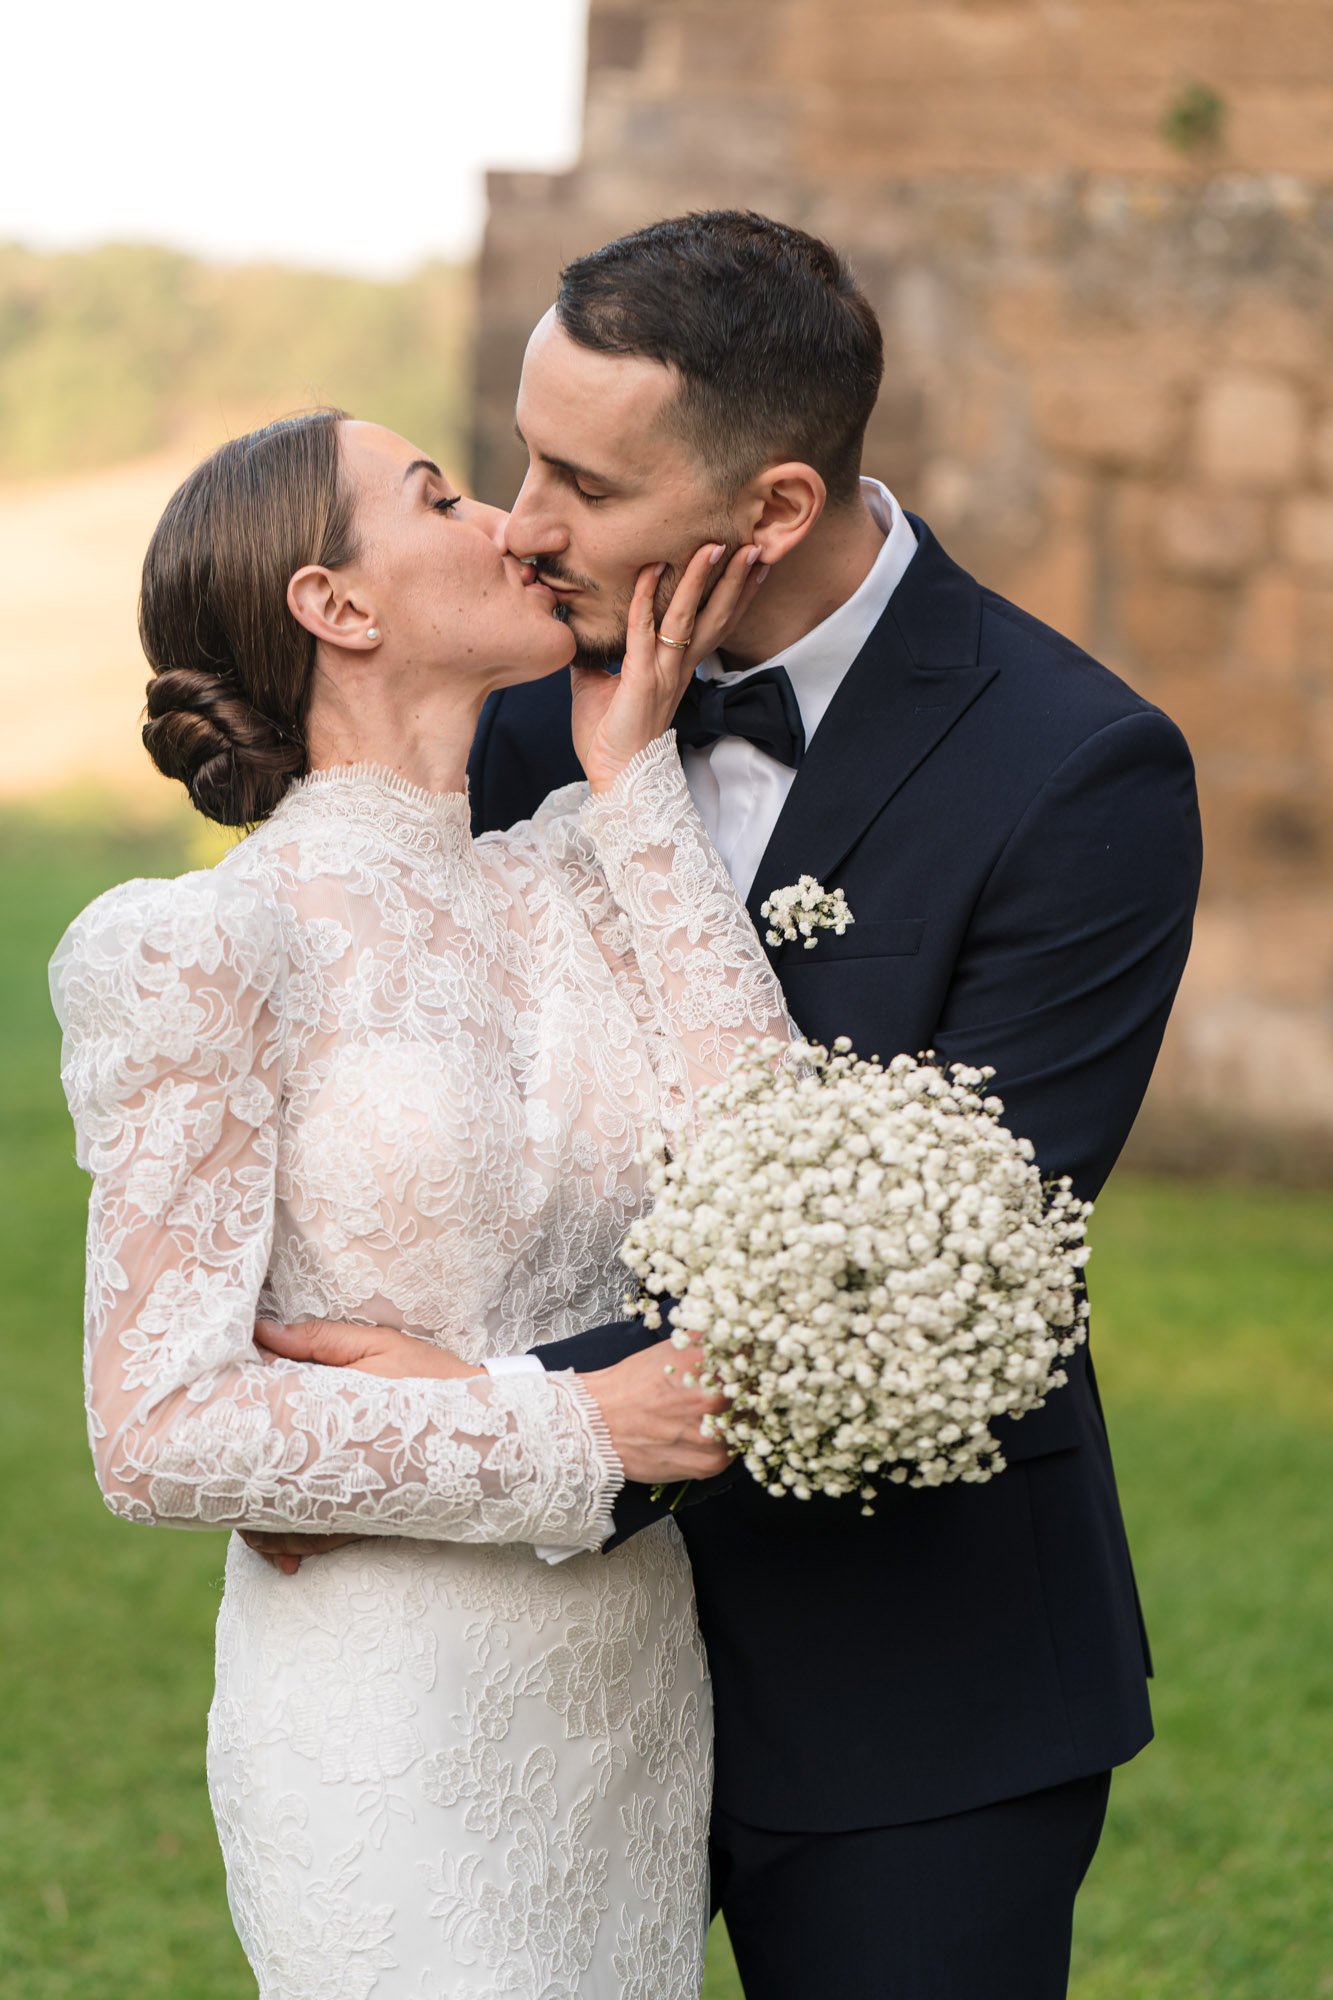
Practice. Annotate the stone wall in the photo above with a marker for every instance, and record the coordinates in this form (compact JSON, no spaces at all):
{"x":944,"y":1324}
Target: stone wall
{"x":1110,"y":390}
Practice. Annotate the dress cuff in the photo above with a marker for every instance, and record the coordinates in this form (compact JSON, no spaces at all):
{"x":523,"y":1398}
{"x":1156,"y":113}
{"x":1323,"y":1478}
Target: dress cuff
{"x":528,"y":1364}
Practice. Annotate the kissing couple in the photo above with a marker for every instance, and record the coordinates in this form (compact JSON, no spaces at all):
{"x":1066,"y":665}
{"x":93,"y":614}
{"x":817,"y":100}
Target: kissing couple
{"x":385,"y":1083}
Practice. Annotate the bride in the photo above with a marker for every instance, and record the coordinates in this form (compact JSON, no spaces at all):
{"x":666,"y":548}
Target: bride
{"x":368,"y":1069}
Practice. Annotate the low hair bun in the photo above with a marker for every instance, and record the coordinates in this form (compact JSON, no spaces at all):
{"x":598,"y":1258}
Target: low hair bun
{"x":232,"y":667}
{"x":234,"y":762}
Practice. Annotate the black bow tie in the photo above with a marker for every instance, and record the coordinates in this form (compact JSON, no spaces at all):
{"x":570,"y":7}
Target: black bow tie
{"x":763,"y":709}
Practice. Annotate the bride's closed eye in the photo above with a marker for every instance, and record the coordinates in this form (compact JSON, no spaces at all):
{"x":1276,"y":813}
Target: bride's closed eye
{"x":446,"y":506}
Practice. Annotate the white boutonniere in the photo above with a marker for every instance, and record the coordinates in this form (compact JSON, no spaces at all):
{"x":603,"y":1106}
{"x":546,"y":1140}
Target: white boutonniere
{"x":802,"y":909}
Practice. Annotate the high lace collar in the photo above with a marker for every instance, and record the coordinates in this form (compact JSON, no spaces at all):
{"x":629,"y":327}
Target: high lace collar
{"x":379,"y":778}
{"x":371,"y":791}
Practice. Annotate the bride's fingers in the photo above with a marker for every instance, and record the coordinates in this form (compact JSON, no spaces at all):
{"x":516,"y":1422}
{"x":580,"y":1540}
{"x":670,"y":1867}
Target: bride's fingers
{"x":640,"y":625}
{"x":729,"y":602}
{"x":676,"y":626}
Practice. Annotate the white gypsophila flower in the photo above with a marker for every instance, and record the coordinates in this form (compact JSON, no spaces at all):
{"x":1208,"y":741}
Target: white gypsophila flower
{"x":870,"y":1263}
{"x":803,"y":908}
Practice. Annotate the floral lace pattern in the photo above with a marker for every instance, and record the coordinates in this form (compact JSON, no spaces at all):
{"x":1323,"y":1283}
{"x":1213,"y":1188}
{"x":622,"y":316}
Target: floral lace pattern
{"x":371,"y":1070}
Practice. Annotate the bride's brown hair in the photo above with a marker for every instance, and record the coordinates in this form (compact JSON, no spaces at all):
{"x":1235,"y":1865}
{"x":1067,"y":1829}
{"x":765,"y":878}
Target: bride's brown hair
{"x":231,"y":666}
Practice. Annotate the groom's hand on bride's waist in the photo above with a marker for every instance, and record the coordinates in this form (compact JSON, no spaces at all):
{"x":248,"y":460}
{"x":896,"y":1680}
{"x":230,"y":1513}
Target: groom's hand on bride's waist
{"x":373,"y":1350}
{"x":649,"y":1401}
{"x":653,"y":1408}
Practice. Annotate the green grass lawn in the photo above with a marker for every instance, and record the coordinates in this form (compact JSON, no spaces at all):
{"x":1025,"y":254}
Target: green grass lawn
{"x":1214,"y":1338}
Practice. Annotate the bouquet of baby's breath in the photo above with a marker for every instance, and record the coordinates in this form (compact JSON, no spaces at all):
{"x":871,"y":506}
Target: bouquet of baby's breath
{"x":870,"y":1263}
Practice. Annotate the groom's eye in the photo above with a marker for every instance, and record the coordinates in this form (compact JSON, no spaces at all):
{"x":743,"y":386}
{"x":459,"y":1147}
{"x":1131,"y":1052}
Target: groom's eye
{"x":591,"y":498}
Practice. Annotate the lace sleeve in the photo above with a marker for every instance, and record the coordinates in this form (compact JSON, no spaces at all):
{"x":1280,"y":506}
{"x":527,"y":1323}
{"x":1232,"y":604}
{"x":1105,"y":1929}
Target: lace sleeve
{"x":680,"y":919}
{"x":170,"y":998}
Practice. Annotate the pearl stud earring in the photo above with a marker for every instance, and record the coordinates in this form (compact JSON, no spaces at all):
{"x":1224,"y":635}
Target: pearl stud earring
{"x":372,"y":631}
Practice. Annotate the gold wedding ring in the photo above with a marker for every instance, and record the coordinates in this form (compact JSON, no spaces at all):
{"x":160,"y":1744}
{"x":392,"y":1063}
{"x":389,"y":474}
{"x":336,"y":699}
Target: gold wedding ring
{"x":676,"y":645}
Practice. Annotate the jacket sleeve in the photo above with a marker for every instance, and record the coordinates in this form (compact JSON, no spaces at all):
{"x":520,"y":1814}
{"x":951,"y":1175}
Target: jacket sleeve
{"x":1077,"y":945}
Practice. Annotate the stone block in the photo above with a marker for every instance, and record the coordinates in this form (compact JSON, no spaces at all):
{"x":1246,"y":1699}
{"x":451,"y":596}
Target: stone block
{"x":1321,"y":448}
{"x":972,"y":416}
{"x":1273,"y":335}
{"x":1291,"y":949}
{"x":1246,"y":725}
{"x":1268,"y":630}
{"x":1025,"y":318}
{"x":1273,"y":831}
{"x":1208,"y":534}
{"x":1316,"y":634}
{"x":1220,"y":951}
{"x":1305,"y":532}
{"x":1321,"y":734}
{"x":1132,"y":527}
{"x":1283,"y":128}
{"x":1259,"y":1060}
{"x":1055,"y":584}
{"x":1262,"y":832}
{"x":1174,"y":626}
{"x":615,"y":39}
{"x":1068,"y":495}
{"x":1250,"y":430}
{"x":1120,"y":418}
{"x":949,"y":494}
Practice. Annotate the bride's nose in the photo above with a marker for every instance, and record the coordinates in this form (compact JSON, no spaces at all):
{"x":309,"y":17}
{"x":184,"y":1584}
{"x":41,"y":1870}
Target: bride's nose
{"x":493,"y":521}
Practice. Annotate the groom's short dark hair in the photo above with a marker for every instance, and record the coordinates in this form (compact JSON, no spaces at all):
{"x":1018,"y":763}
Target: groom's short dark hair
{"x":779,"y":350}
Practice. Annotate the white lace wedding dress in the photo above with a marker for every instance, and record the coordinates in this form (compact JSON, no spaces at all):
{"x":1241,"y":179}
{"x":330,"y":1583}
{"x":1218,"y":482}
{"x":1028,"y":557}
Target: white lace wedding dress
{"x":371,"y":1070}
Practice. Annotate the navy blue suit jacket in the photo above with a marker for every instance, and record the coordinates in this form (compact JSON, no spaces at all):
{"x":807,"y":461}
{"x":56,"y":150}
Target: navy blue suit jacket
{"x":1017,"y":834}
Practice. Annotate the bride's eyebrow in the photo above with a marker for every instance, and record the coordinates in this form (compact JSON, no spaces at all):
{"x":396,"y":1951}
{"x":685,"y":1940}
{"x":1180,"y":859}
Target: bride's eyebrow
{"x":422,"y":465}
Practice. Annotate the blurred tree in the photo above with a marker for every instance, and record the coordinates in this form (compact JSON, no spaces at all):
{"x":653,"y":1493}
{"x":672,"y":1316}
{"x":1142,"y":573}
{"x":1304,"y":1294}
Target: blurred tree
{"x":111,"y":353}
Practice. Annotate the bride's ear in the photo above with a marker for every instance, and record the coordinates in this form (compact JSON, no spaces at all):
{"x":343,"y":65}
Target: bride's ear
{"x":320,"y":600}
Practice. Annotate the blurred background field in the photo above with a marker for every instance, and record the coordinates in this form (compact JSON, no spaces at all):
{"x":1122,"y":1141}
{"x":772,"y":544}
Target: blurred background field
{"x":1212,"y":1310}
{"x":119,"y":367}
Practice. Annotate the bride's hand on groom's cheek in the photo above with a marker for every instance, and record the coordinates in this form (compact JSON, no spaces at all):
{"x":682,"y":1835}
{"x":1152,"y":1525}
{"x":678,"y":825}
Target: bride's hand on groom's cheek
{"x":617,"y":716}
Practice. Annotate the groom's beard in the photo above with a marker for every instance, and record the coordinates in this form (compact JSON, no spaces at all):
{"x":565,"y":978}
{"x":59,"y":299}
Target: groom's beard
{"x":604,"y":651}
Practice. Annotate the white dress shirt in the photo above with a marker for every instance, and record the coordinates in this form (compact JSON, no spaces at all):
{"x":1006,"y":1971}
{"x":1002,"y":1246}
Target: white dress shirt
{"x":740,"y":790}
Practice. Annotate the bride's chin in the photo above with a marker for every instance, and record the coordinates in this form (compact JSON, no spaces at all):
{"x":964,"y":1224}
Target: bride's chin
{"x":541,"y":669}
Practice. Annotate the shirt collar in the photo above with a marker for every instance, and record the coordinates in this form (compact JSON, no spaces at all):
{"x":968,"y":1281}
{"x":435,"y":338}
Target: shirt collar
{"x":816,"y":664}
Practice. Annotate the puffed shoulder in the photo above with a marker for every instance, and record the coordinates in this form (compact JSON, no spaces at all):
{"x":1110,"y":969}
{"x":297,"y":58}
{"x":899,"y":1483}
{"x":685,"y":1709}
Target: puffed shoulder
{"x":211,"y":921}
{"x":162,"y":975}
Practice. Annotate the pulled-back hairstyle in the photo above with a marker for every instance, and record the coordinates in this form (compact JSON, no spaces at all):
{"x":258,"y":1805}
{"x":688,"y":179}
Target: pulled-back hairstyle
{"x":231,"y":666}
{"x":779,"y":350}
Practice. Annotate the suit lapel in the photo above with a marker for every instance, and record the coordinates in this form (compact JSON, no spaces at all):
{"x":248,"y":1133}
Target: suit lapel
{"x":915,"y":676}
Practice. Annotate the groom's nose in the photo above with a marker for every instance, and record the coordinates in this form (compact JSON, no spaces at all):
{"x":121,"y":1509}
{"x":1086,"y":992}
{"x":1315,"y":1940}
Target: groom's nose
{"x":535,"y":529}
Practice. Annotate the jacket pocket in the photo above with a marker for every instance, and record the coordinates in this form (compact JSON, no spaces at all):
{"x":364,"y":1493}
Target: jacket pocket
{"x":899,"y":938}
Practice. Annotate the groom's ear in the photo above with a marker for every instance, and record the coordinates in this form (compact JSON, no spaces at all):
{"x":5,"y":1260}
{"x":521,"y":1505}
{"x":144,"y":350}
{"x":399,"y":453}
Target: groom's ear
{"x":780,"y":506}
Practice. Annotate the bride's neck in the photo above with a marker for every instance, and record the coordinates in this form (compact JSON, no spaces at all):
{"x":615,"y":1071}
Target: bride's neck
{"x":424,"y":736}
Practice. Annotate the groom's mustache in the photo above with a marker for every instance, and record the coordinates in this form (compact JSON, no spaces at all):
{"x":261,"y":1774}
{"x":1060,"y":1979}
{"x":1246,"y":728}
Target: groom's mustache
{"x":550,"y":571}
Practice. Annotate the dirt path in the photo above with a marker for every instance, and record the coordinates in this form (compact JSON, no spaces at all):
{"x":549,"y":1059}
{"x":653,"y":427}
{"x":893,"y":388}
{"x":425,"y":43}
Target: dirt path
{"x":71,"y":672}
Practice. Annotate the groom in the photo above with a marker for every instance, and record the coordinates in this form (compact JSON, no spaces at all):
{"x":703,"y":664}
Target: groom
{"x":917,"y":1713}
